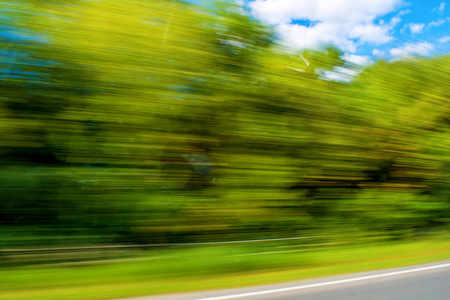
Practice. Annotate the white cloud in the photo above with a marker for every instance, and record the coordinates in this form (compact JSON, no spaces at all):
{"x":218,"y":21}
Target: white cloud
{"x":404,"y":12}
{"x":335,"y":76}
{"x":411,"y":49}
{"x":436,"y":23}
{"x":344,"y":23}
{"x":346,"y":71}
{"x":299,"y":36}
{"x":338,"y":75}
{"x":440,"y":8}
{"x":394,"y":21}
{"x":445,"y":39}
{"x":370,"y":33}
{"x":415,"y":27}
{"x":282,"y":11}
{"x":379,"y":53}
{"x":356,"y":59}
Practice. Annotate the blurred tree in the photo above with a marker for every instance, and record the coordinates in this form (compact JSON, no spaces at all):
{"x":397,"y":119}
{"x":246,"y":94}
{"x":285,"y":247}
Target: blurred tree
{"x":159,"y":121}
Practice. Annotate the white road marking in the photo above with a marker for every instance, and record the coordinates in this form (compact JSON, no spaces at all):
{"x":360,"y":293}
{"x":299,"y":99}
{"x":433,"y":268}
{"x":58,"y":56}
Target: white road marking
{"x":301,"y":287}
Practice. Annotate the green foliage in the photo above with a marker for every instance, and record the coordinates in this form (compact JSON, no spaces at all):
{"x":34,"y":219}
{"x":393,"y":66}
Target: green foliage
{"x":161,"y":121}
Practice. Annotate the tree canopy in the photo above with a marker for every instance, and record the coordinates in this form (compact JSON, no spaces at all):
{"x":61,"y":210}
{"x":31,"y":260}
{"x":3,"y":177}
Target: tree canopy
{"x":156,"y":121}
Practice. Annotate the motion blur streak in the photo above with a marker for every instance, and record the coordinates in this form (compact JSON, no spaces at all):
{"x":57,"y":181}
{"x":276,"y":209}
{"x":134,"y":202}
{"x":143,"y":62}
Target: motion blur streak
{"x":158,"y":122}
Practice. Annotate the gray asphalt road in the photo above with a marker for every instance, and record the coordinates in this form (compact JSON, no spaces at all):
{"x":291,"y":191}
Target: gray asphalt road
{"x":420,"y":282}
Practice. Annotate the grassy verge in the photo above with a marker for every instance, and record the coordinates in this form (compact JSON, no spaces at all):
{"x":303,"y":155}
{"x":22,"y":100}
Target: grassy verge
{"x":209,"y":267}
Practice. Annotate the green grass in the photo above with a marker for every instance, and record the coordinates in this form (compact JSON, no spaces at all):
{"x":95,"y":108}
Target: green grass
{"x":209,"y":267}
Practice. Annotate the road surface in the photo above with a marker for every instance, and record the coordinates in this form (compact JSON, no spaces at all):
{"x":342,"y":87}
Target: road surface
{"x":420,"y":282}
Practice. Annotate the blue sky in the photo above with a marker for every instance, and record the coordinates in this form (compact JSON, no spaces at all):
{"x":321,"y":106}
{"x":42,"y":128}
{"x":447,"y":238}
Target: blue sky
{"x":363,"y":29}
